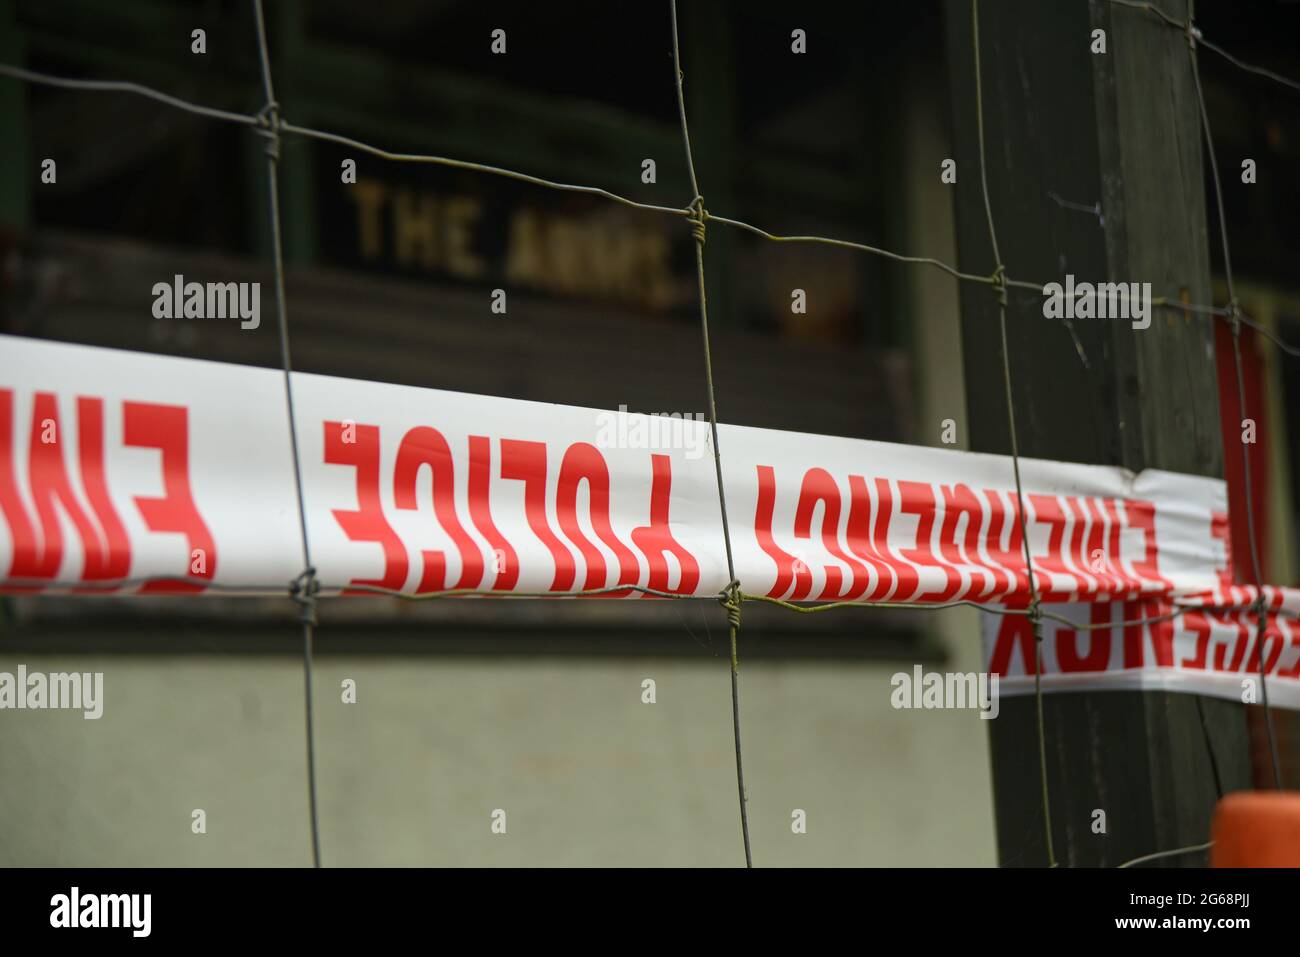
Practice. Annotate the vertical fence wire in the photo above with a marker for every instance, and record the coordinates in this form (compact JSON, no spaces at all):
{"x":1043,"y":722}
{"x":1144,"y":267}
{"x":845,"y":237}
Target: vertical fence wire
{"x":303,"y":589}
{"x":733,"y":596}
{"x":1035,"y":612}
{"x":1234,"y":316}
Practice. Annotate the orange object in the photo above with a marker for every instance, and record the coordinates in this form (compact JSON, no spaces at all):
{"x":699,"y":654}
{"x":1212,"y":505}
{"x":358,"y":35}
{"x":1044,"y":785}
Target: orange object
{"x":1257,"y":829}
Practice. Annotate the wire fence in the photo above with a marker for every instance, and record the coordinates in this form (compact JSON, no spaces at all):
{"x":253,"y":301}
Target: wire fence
{"x":269,"y":123}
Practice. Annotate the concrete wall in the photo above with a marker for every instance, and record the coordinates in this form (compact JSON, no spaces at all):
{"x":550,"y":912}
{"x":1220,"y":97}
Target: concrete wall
{"x":410,"y":773}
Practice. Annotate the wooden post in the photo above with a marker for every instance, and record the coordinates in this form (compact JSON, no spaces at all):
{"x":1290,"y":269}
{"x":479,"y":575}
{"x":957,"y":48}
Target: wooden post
{"x":1094,"y":164}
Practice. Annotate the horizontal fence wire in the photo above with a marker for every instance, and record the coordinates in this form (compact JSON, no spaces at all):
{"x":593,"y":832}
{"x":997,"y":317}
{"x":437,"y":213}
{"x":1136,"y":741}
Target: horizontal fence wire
{"x":1161,"y":855}
{"x":326,"y":591}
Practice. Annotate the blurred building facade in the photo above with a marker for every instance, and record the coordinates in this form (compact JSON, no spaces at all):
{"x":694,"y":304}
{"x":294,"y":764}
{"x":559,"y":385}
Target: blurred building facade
{"x":534,"y":710}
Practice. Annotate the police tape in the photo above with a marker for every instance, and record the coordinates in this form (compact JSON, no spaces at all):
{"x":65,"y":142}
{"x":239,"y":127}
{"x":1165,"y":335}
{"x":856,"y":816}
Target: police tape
{"x":119,"y":466}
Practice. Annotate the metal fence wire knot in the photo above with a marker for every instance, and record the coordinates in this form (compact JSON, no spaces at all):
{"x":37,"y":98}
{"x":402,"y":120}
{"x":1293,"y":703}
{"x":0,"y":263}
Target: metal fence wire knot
{"x":268,"y":126}
{"x":999,"y":280}
{"x":303,"y":590}
{"x":698,"y":216}
{"x":731,"y":599}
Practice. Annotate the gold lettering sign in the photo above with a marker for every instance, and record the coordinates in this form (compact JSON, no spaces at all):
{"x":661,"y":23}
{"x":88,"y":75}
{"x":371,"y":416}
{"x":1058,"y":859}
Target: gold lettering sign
{"x":565,"y":254}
